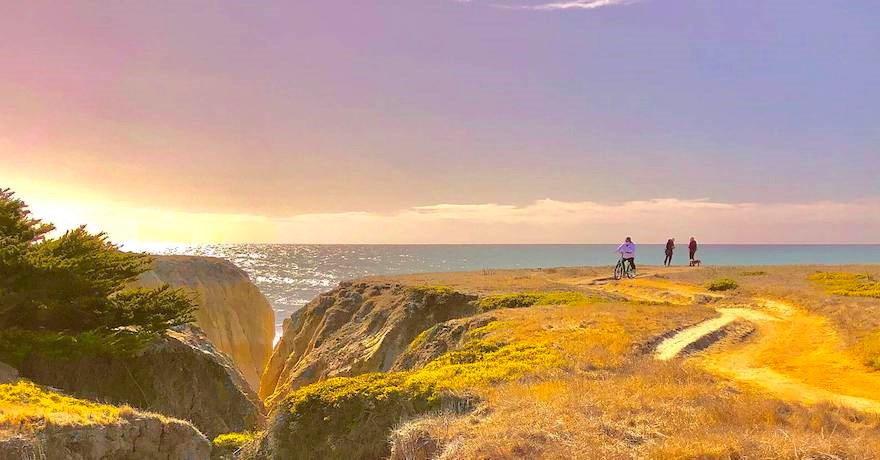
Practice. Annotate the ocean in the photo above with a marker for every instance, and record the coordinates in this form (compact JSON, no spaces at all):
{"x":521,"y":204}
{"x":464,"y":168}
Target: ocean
{"x":290,"y":275}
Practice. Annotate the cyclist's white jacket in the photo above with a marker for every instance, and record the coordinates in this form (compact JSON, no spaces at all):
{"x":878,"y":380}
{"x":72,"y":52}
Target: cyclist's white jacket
{"x":628,"y":250}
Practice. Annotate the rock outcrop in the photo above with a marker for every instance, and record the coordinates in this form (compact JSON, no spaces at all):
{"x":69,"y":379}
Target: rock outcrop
{"x":8,"y":373}
{"x":354,"y":329}
{"x":137,"y":436}
{"x":180,"y":374}
{"x":40,"y":423}
{"x":235,"y":316}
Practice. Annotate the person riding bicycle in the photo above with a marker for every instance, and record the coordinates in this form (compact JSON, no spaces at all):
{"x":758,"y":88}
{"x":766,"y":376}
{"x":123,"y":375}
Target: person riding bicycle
{"x":627,"y":252}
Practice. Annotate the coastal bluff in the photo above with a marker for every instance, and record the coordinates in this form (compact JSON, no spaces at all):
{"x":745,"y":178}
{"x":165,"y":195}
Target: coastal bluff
{"x":511,"y":363}
{"x":356,"y":328}
{"x":232,"y":312}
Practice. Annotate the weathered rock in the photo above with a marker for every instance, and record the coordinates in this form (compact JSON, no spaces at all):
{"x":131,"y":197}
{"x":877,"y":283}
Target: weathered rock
{"x":235,"y":316}
{"x":354,"y":329}
{"x":181,"y":374}
{"x":8,"y":373}
{"x":137,"y":436}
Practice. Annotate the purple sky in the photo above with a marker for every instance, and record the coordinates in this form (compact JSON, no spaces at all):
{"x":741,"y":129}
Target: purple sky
{"x":254,"y":117}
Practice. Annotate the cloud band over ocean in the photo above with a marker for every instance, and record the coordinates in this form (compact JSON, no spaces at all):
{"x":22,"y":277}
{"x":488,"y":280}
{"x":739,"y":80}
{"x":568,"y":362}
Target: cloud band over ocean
{"x":541,"y":221}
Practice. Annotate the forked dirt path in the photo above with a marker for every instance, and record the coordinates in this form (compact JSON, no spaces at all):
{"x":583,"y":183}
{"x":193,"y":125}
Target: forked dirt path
{"x":673,"y":346}
{"x":793,"y":354}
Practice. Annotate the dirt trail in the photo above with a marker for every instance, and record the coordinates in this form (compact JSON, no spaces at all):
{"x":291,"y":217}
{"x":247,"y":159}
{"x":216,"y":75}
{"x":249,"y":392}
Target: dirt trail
{"x":794,"y":354}
{"x":671,"y":347}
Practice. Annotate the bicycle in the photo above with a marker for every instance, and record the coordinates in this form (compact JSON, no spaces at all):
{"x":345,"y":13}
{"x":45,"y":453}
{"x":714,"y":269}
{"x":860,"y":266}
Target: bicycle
{"x":624,"y":268}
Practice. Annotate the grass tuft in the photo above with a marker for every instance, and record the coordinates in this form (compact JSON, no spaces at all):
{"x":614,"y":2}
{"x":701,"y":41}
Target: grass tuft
{"x":233,"y":441}
{"x":721,"y":284}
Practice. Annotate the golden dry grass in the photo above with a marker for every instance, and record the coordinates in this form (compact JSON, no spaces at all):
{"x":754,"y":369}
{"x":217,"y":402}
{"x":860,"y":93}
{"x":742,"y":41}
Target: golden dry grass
{"x":612,"y":400}
{"x":24,"y":405}
{"x":649,"y":409}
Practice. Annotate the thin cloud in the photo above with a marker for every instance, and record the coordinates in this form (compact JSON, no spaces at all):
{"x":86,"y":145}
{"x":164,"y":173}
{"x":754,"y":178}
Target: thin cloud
{"x":541,"y":221}
{"x":570,"y":5}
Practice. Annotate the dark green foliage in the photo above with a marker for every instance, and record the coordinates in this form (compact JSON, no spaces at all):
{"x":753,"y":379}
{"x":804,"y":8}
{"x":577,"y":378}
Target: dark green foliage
{"x":18,"y":344}
{"x":152,"y":310}
{"x":350,"y":417}
{"x":65,"y":289}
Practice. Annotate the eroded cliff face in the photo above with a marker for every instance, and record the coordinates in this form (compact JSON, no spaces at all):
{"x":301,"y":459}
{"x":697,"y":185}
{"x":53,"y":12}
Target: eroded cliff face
{"x":181,"y":374}
{"x":232,"y":312}
{"x":354,"y":329}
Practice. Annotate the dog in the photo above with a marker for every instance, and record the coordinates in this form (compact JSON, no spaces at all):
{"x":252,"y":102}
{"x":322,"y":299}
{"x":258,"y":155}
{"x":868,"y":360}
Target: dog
{"x":695,"y":263}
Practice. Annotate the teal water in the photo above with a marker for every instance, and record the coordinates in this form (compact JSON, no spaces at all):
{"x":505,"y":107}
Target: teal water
{"x":292,"y":275}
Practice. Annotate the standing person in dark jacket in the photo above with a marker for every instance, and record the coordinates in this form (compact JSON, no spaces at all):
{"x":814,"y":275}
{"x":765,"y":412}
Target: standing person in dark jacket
{"x":670,"y":246}
{"x":692,"y":248}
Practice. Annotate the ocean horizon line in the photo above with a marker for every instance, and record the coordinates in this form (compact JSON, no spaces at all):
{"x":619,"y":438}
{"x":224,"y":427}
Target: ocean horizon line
{"x":163,"y":244}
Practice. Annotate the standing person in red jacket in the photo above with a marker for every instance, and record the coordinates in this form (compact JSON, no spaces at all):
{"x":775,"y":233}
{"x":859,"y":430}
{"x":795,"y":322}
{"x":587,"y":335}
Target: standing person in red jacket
{"x":692,"y":248}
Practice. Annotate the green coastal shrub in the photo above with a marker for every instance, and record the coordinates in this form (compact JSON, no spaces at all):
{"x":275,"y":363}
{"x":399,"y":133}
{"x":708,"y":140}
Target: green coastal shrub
{"x":231,"y":442}
{"x":754,"y":273}
{"x":721,"y":284}
{"x":351,"y":417}
{"x":848,"y":284}
{"x":493,"y":302}
{"x":17,"y":344}
{"x":434,"y":290}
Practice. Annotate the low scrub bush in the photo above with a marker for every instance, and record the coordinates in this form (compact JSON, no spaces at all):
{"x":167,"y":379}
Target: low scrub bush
{"x":350,"y":417}
{"x":754,"y":273}
{"x":434,"y":290}
{"x":529,"y":299}
{"x":721,"y":284}
{"x":233,"y":441}
{"x":848,"y":284}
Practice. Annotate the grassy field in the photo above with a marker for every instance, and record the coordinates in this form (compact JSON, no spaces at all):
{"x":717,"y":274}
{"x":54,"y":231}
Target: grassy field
{"x":798,"y":384}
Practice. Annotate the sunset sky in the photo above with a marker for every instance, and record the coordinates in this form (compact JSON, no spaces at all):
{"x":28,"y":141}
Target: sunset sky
{"x":444,"y":121}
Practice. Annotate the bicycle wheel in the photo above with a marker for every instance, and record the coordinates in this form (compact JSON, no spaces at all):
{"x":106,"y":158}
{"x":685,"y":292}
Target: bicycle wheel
{"x":618,"y":271}
{"x":630,"y":270}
